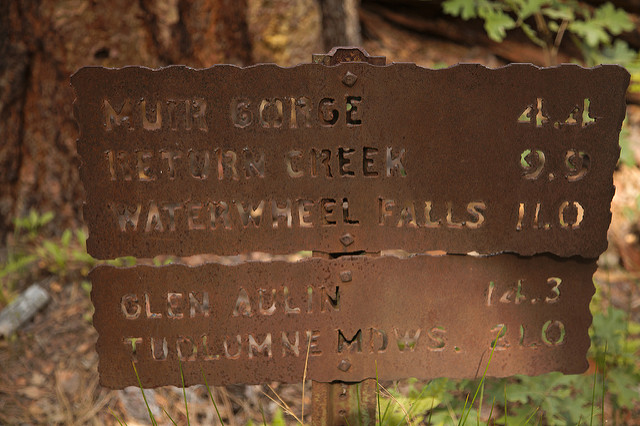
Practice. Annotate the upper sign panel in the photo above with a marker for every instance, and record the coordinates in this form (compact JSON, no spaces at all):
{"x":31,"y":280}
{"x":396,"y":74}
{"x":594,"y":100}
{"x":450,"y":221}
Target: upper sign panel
{"x":352,"y":157}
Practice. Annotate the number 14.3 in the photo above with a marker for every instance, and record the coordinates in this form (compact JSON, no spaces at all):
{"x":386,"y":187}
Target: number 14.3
{"x":516,"y":294}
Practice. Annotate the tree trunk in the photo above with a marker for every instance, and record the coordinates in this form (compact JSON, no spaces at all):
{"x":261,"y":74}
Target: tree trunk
{"x":43,"y":42}
{"x":286,"y":32}
{"x":340,"y":22}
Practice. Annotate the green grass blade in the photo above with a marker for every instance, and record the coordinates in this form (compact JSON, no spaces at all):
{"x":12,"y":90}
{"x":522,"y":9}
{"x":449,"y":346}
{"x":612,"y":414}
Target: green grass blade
{"x":264,"y":419}
{"x":526,"y":422}
{"x":117,"y":418}
{"x":184,"y":392}
{"x":493,"y":404}
{"x":346,"y":420}
{"x":480,"y":405}
{"x":433,"y":400}
{"x":464,"y":417}
{"x":304,"y":377}
{"x":282,"y":404}
{"x":378,"y":394}
{"x":505,"y":404}
{"x":153,"y":419}
{"x":464,"y":409}
{"x":386,"y":411}
{"x":391,"y":399}
{"x":170,"y":418}
{"x":213,"y":400}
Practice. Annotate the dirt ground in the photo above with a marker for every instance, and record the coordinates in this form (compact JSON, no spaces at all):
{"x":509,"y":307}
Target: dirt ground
{"x":48,"y":370}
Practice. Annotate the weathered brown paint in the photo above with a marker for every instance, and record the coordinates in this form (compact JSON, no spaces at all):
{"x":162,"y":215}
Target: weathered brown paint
{"x":389,"y":294}
{"x":458,"y":126}
{"x":508,"y":148}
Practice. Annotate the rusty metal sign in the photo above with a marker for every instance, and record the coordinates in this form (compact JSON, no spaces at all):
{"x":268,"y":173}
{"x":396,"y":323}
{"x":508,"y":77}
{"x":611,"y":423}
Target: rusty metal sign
{"x":347,"y":158}
{"x":347,"y":155}
{"x":421,"y":317}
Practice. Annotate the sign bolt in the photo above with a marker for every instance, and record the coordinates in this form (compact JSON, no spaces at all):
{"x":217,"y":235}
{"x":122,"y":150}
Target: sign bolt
{"x":349,"y":79}
{"x":347,"y":239}
{"x":345,"y":276}
{"x":344,"y":365}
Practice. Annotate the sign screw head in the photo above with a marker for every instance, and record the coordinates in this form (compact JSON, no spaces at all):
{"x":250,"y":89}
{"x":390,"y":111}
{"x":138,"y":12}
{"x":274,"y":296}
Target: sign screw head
{"x":349,"y":79}
{"x":347,"y":239}
{"x":345,"y":276}
{"x":344,"y":365}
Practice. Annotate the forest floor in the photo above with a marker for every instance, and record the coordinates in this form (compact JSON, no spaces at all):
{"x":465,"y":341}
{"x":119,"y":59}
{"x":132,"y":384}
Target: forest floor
{"x":48,"y":370}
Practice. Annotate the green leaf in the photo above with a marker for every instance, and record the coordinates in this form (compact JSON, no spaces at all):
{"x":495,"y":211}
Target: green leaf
{"x":627,"y":156}
{"x":496,"y":24}
{"x":559,"y":12}
{"x":81,"y":236}
{"x":634,"y":327}
{"x":17,"y":265}
{"x":614,"y":20}
{"x":591,"y":32}
{"x":122,"y":261}
{"x":620,"y":53}
{"x":66,"y":238}
{"x":278,"y":418}
{"x":33,"y":218}
{"x":45,"y":218}
{"x":466,"y":9}
{"x":605,"y":21}
{"x":622,"y":383}
{"x":86,"y":286}
{"x":530,"y":7}
{"x":532,"y":34}
{"x":53,"y":249}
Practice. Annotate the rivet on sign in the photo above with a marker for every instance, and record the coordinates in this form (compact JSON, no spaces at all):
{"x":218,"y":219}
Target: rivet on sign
{"x":347,"y":239}
{"x":349,"y":79}
{"x":344,"y":365}
{"x":345,"y":276}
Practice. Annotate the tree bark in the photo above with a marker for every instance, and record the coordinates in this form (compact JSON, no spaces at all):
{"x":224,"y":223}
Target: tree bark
{"x":286,"y":32}
{"x":340,"y":22}
{"x":43,"y":42}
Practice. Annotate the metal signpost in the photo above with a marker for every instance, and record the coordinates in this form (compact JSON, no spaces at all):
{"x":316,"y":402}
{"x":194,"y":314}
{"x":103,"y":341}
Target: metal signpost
{"x":447,"y":210}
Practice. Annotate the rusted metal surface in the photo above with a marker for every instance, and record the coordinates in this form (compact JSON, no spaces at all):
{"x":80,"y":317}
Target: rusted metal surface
{"x":420,"y":317}
{"x":343,"y":404}
{"x":340,"y":55}
{"x":346,"y":158}
{"x":347,"y":154}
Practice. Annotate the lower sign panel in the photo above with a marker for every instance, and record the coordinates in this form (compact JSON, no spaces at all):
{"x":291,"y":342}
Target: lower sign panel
{"x":422,"y":317}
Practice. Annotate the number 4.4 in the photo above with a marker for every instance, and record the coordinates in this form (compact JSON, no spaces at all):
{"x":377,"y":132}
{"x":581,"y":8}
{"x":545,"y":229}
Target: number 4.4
{"x":536,"y":114}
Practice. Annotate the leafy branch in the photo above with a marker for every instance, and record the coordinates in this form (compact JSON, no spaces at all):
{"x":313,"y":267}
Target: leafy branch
{"x":547,"y":22}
